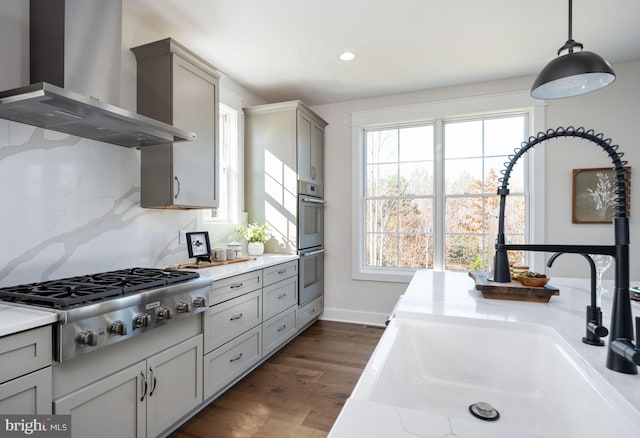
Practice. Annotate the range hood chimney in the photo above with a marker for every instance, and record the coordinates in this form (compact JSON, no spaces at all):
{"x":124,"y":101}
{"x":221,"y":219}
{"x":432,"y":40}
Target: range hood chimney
{"x":75,"y":52}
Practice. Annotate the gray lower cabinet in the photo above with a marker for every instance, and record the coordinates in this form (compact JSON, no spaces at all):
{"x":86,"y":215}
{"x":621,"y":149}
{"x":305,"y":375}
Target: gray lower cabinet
{"x":308,"y":313}
{"x":27,"y":395}
{"x":225,"y":364}
{"x":141,"y":400}
{"x":25,"y":372}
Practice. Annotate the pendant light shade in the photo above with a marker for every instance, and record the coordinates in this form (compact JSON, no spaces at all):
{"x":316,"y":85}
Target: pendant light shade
{"x":573,"y":72}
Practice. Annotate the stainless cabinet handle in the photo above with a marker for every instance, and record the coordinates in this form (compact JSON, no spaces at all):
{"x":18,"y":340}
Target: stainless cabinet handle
{"x":312,"y":253}
{"x":155,"y":383}
{"x":282,"y":271}
{"x":313,"y":172}
{"x":314,"y":200}
{"x":178,"y":187}
{"x":235,"y":359}
{"x":282,"y":327}
{"x":144,"y":385}
{"x":236,"y":285}
{"x":281,"y":296}
{"x":235,"y":317}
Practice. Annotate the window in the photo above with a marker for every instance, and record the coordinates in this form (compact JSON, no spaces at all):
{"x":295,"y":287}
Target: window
{"x":227,"y":211}
{"x":474,"y":154}
{"x":398,"y":201}
{"x":428,"y":189}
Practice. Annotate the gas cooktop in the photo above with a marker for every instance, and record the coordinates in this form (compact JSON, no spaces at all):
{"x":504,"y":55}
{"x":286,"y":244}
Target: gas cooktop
{"x":74,"y":291}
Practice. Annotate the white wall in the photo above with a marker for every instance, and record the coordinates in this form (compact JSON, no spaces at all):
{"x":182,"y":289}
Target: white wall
{"x":70,"y":206}
{"x":613,"y":111}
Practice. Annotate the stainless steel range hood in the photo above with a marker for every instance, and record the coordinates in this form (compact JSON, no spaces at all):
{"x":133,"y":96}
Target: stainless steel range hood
{"x":50,"y":107}
{"x":75,"y":49}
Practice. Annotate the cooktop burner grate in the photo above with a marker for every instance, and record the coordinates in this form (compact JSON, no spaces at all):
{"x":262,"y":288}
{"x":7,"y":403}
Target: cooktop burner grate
{"x":74,"y":291}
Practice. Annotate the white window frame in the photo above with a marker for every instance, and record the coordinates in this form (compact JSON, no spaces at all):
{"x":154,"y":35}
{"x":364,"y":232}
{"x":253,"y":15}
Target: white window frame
{"x":436,"y":112}
{"x":229,"y":170}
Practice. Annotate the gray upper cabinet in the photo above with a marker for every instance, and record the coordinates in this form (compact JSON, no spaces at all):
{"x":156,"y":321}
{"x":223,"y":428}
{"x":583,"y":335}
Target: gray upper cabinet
{"x":289,"y":132}
{"x":310,"y":138}
{"x":176,"y":86}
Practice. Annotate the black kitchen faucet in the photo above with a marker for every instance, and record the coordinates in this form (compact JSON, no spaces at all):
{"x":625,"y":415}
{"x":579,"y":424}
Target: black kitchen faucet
{"x":623,"y":354}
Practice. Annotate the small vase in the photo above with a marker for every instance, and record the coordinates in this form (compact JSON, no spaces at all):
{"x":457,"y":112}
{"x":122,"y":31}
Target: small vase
{"x":255,"y":248}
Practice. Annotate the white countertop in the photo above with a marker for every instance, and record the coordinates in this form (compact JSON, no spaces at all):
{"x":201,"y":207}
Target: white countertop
{"x":229,"y":270}
{"x":14,"y":319}
{"x":454,"y":294}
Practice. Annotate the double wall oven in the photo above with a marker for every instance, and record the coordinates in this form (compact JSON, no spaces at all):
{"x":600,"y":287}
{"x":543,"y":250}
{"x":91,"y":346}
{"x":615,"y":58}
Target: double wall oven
{"x":311,"y":250}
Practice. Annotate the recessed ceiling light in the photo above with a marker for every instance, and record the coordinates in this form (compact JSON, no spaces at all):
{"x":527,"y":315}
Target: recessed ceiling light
{"x":347,"y":56}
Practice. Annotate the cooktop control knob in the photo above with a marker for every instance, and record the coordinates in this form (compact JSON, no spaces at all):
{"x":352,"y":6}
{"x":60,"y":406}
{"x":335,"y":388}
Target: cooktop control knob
{"x":199,"y":302}
{"x":164,"y":313}
{"x":183,"y":307}
{"x":118,"y":328}
{"x":141,"y":320}
{"x":87,"y":338}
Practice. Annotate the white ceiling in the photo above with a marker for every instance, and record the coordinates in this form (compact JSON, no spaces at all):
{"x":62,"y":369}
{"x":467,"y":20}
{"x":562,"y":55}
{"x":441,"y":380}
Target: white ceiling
{"x":288,"y":49}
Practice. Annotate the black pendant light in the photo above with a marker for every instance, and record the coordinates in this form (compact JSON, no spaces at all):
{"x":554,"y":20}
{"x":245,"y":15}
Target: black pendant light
{"x":573,"y":72}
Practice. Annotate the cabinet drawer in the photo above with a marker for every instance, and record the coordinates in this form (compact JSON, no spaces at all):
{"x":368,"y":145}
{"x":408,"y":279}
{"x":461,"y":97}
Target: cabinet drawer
{"x":278,"y":330}
{"x":279,"y":272}
{"x":309,"y":312}
{"x":228,"y":288}
{"x":279,"y":296}
{"x":24,"y":352}
{"x":225,"y":321}
{"x":224,"y":364}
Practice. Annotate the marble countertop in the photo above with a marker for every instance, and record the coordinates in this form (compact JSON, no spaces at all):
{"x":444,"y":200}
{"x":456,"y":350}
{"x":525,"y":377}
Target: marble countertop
{"x":453,"y":294}
{"x":14,"y":319}
{"x":229,"y":270}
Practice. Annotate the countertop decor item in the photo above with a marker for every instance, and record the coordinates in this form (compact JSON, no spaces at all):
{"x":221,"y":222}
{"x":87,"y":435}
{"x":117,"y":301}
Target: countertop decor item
{"x":257,"y":235}
{"x":573,"y":72}
{"x":513,"y":290}
{"x":532,"y":281}
{"x":198,"y":246}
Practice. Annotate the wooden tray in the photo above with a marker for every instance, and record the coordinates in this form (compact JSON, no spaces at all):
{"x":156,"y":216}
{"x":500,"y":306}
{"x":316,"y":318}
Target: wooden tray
{"x":513,"y":290}
{"x":193,"y":265}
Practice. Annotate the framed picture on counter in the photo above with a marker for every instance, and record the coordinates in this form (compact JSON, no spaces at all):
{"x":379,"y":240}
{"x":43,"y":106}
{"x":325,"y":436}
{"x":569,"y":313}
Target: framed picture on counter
{"x":594,"y":195}
{"x":198,"y":245}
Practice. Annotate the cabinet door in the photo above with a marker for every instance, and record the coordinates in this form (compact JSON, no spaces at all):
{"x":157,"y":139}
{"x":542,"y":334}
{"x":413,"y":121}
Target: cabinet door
{"x":27,"y":395}
{"x":317,"y":154}
{"x":304,"y":130}
{"x":175,"y":384}
{"x":112,"y":407}
{"x":195,"y":109}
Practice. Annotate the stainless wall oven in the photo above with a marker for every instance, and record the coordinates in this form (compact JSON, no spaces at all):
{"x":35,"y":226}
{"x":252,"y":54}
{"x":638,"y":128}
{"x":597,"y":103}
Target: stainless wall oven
{"x":310,"y":242}
{"x":310,"y":221}
{"x":310,"y":275}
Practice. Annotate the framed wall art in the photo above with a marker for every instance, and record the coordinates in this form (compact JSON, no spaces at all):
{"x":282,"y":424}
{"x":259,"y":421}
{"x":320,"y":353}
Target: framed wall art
{"x":594,"y":195}
{"x":198,"y":245}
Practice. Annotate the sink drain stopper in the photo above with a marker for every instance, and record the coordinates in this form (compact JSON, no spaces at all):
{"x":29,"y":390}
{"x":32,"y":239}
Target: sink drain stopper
{"x":484,"y":411}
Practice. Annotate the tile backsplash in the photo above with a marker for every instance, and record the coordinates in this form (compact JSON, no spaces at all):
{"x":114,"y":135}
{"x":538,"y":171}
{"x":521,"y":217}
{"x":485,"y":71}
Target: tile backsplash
{"x":71,"y":206}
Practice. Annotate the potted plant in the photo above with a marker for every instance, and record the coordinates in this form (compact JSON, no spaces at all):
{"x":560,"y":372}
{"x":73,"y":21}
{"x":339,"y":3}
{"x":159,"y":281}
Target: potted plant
{"x":257,"y":235}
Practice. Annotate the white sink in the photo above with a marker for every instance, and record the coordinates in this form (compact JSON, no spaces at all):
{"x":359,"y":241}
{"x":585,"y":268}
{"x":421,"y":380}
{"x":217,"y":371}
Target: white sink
{"x":428,"y":369}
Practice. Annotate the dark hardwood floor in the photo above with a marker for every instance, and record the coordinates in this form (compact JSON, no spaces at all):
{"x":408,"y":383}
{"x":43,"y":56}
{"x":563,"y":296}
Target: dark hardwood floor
{"x":297,"y":393}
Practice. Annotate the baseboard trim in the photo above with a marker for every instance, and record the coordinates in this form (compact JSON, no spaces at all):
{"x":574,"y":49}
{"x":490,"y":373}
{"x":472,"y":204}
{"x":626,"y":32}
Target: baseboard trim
{"x":354,"y":317}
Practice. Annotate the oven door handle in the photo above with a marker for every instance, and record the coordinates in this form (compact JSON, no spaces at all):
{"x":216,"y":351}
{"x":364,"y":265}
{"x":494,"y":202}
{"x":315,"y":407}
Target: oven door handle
{"x":312,"y":253}
{"x":314,"y":200}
